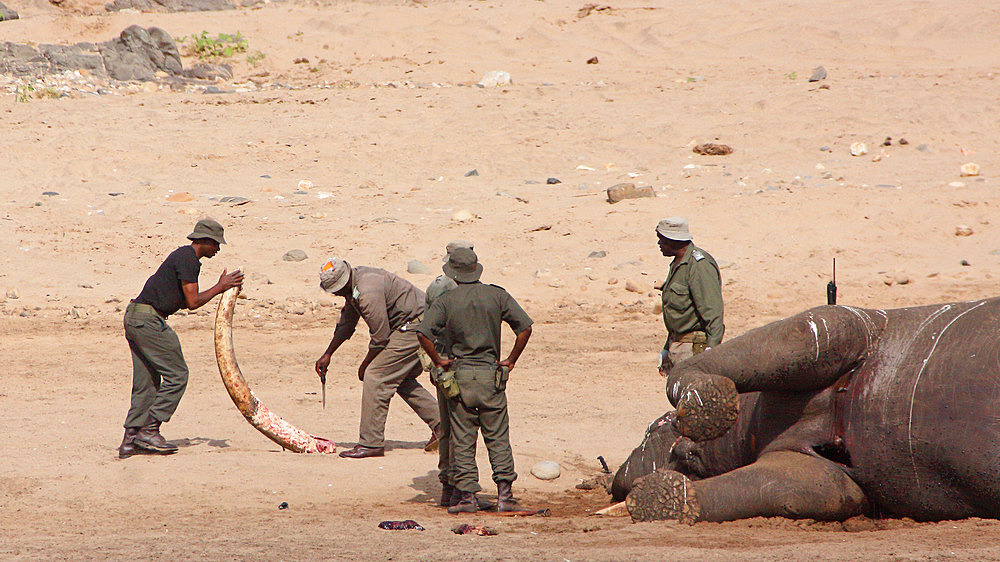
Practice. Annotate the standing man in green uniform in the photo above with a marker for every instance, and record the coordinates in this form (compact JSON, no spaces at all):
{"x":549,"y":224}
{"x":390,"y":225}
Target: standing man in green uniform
{"x":692,"y":295}
{"x":438,"y":287}
{"x":468,"y":318}
{"x":388,"y":304}
{"x":159,"y":373}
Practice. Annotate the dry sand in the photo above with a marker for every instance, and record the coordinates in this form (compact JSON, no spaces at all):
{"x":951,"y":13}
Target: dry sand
{"x":385,"y":119}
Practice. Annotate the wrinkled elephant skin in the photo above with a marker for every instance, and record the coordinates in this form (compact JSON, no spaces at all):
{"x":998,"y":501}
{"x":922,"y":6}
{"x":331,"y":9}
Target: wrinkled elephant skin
{"x":841,"y":411}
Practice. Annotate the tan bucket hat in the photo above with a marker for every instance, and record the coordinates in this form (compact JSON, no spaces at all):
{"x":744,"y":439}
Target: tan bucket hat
{"x":463,"y":266}
{"x":208,"y":228}
{"x":453,"y":245}
{"x":674,"y":228}
{"x":334,"y":275}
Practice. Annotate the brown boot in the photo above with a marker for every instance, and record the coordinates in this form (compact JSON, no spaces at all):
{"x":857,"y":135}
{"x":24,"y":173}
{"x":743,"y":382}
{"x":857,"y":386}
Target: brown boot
{"x":505,"y":498}
{"x":448,"y":495}
{"x":127,"y":448}
{"x":467,"y":503}
{"x":149,"y":438}
{"x":432,"y":445}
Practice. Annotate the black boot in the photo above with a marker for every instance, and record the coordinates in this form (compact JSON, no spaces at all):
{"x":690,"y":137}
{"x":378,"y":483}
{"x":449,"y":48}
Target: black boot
{"x":127,"y":448}
{"x":149,"y":438}
{"x":467,"y":503}
{"x":448,"y":494}
{"x":505,"y":498}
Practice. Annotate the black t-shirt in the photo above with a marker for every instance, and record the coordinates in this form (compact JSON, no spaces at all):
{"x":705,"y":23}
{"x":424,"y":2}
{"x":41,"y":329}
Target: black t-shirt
{"x":163,"y":289}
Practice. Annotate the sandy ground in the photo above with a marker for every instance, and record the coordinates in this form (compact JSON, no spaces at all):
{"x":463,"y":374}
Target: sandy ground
{"x":385,"y":122}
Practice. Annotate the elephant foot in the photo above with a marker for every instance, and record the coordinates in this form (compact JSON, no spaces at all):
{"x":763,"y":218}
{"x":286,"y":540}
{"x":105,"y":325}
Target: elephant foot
{"x":663,"y":495}
{"x":707,"y":408}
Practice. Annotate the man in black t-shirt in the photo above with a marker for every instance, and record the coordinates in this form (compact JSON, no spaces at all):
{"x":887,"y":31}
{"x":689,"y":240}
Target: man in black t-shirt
{"x":159,"y":373}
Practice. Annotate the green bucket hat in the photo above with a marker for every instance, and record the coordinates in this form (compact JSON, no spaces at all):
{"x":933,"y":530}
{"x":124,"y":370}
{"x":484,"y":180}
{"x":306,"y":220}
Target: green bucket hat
{"x":208,"y":228}
{"x":463,"y":266}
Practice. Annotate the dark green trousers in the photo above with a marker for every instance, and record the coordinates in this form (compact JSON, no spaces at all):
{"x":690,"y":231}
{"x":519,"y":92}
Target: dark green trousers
{"x":480,"y":406}
{"x":159,"y":373}
{"x":445,"y":471}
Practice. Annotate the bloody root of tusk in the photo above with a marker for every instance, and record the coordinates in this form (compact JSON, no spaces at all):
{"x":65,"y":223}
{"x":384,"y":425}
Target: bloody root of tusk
{"x":259,"y":416}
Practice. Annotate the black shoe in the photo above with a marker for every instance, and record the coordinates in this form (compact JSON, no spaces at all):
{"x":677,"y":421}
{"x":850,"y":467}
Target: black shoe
{"x":362,"y":452}
{"x":149,"y":438}
{"x":448,"y":495}
{"x":505,"y":498}
{"x":127,"y":448}
{"x":466,"y":503}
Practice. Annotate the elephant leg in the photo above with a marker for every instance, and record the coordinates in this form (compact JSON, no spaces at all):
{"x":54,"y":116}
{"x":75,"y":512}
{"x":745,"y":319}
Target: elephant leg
{"x":804,"y":353}
{"x":779,"y":484}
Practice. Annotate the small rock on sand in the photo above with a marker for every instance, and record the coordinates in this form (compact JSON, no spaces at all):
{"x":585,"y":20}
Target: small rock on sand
{"x":495,"y":78}
{"x":633,"y":287}
{"x":546,"y":470}
{"x":712,"y":149}
{"x":859,"y":149}
{"x":819,"y":73}
{"x":462,"y":215}
{"x":970,"y":169}
{"x":622,"y":191}
{"x":597,"y":254}
{"x":418,"y":268}
{"x":294,"y":255}
{"x":13,"y":293}
{"x":180,"y":197}
{"x":963,"y":230}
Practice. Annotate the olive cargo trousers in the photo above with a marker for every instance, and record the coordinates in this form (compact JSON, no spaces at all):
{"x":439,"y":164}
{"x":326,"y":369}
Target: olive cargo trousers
{"x":479,"y":406}
{"x":159,"y":373}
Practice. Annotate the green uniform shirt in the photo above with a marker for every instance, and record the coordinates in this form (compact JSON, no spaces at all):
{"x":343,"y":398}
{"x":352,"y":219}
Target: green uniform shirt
{"x":438,"y":287}
{"x":692,"y":296}
{"x":468,"y":318}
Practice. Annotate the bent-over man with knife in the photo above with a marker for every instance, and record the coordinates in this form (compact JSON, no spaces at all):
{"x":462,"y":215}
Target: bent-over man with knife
{"x":388,"y":304}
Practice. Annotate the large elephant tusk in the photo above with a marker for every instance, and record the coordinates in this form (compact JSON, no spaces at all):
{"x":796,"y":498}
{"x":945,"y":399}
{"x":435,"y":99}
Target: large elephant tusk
{"x":259,"y":416}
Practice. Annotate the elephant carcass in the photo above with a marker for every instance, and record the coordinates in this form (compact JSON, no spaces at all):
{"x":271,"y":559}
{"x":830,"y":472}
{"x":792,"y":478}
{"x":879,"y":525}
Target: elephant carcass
{"x":834,"y":412}
{"x":259,"y":415}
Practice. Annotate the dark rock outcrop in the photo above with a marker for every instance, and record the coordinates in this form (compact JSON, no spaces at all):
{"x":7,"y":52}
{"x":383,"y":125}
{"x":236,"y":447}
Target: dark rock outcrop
{"x":170,"y":5}
{"x":7,"y":14}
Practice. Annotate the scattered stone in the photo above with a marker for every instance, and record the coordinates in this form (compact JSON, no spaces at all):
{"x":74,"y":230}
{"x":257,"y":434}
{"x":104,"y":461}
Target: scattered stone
{"x":963,"y":230}
{"x":592,"y":60}
{"x":633,"y":287}
{"x":300,"y":60}
{"x":825,"y":148}
{"x":481,"y":530}
{"x":546,"y":470}
{"x":818,"y":73}
{"x":304,"y":184}
{"x":956,"y":184}
{"x":901,"y":280}
{"x":50,"y":193}
{"x":116,"y":193}
{"x":613,"y":281}
{"x":25,"y":313}
{"x":180,"y":197}
{"x":472,"y":172}
{"x":970,"y":169}
{"x":169,"y":5}
{"x":13,"y":293}
{"x":462,"y":215}
{"x":235,"y":200}
{"x":622,"y":191}
{"x":712,"y":149}
{"x":6,"y":14}
{"x":294,"y":255}
{"x":138,"y":53}
{"x":553,"y":181}
{"x":77,"y":313}
{"x":903,"y":141}
{"x":965,"y":263}
{"x":418,"y":268}
{"x":859,"y":149}
{"x":923,"y":148}
{"x":557,"y":284}
{"x":206,"y":71}
{"x":597,"y":254}
{"x":495,"y":78}
{"x":887,"y":141}
{"x":658,"y":307}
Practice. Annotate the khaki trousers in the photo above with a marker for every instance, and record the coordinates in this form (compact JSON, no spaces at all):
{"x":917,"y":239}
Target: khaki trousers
{"x":159,"y":373}
{"x":480,"y":406}
{"x":394,"y":371}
